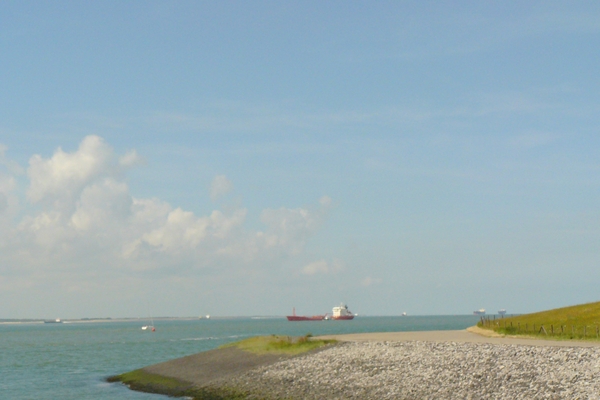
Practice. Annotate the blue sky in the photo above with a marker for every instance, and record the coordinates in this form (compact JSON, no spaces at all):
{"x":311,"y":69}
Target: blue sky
{"x":244,"y":158}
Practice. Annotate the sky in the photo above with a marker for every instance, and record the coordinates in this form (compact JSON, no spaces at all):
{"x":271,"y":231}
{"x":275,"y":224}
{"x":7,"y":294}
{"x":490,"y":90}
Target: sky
{"x":232,"y":158}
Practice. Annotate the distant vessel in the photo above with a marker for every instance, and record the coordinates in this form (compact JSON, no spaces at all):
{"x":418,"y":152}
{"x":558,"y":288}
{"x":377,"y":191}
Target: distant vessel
{"x":53,"y":321}
{"x":404,"y":314}
{"x":342,"y":313}
{"x":502,"y":312}
{"x":481,"y":311}
{"x":295,"y":317}
{"x":151,"y":327}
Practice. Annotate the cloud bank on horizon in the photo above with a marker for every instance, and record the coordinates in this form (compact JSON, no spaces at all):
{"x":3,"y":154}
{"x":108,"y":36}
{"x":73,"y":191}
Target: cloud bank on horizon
{"x":78,"y":217}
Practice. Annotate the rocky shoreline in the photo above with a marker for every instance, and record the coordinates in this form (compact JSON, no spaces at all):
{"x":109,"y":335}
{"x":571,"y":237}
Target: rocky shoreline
{"x":412,"y":369}
{"x":429,"y":370}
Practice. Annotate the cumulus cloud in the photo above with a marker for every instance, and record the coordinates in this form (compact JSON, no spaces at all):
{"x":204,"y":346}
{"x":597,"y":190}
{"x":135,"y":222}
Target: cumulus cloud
{"x":219,"y":187}
{"x":100,"y":204}
{"x":64,"y":174}
{"x":183,"y":230}
{"x":84,"y":218}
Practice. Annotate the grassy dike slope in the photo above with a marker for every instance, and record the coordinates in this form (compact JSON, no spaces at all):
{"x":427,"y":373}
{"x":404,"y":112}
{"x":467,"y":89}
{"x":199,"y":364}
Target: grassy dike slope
{"x":205,"y":375}
{"x":574,"y":322}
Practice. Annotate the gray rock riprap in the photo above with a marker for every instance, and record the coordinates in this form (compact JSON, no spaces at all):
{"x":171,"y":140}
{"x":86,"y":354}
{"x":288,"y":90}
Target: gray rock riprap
{"x":430,"y":370}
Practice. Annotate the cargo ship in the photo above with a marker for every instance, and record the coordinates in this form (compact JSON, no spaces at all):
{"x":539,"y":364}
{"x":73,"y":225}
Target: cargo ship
{"x":342,"y":313}
{"x":481,"y":311}
{"x":295,"y":317}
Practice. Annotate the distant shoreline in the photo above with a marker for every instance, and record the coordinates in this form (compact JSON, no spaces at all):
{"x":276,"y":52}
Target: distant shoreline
{"x":96,"y":320}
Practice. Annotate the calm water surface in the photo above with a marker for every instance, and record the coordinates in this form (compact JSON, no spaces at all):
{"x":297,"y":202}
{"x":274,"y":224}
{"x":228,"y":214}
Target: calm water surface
{"x":71,"y":360}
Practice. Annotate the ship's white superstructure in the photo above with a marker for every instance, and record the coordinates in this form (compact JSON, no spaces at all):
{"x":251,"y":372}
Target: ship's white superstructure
{"x":342,"y":312}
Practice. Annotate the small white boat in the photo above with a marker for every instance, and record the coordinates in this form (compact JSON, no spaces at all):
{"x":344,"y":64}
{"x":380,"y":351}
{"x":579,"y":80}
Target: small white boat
{"x":150,"y":327}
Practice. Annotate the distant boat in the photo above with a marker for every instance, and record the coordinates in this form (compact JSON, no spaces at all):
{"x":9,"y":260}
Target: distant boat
{"x":481,"y":311}
{"x":342,"y":313}
{"x":502,"y":312}
{"x":404,"y":314}
{"x":295,"y":317}
{"x":150,"y":327}
{"x":53,"y":321}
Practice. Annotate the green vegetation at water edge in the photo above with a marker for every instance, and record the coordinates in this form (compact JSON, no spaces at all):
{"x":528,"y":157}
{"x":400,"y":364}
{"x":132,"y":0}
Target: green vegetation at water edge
{"x":574,"y":322}
{"x":143,"y":381}
{"x":280,"y":344}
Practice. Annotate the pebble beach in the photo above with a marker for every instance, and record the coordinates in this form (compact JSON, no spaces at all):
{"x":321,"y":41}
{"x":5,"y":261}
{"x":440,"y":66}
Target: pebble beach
{"x":431,"y":370}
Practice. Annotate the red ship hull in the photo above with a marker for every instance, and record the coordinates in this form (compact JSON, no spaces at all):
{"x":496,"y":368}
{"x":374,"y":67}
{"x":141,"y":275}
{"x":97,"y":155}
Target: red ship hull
{"x":343,"y":317}
{"x":295,"y":317}
{"x":304,"y":318}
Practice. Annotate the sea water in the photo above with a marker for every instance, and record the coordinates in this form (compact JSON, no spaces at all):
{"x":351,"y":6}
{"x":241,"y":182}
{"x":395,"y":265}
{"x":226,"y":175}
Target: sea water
{"x":72,"y":360}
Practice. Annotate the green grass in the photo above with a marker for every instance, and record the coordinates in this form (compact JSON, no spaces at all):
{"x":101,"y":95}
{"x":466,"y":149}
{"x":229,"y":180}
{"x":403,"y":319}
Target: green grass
{"x":143,"y":381}
{"x":140,"y":379}
{"x":574,"y":322}
{"x":280,"y":344}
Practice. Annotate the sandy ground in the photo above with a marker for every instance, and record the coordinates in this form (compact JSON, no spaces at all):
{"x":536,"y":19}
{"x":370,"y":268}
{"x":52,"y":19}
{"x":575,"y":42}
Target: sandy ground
{"x":470,"y":335}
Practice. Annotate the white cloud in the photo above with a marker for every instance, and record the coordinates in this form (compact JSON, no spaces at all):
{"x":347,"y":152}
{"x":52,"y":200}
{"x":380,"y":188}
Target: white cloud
{"x":219,"y":187}
{"x":323,"y":267}
{"x":130,"y":159}
{"x":101,"y":204}
{"x":182,"y":230}
{"x":65,"y":174}
{"x":82,"y":227}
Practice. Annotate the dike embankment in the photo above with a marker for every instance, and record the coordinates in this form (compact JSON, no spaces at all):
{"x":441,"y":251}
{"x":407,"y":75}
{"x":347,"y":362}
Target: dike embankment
{"x":390,"y":365}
